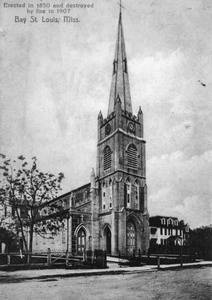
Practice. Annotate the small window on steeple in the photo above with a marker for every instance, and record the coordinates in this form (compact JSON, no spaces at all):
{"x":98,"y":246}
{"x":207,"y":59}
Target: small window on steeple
{"x":125,"y":65}
{"x":114,"y":66}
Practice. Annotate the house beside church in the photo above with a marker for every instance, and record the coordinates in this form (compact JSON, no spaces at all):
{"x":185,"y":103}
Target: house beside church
{"x":166,"y":230}
{"x":110,"y":212}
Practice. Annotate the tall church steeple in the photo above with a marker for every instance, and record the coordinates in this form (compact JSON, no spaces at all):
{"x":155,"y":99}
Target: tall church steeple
{"x":120,"y":82}
{"x":120,"y":206}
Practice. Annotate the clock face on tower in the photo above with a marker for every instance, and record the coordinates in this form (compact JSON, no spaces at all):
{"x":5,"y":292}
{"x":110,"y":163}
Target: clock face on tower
{"x":107,"y":129}
{"x":131,"y":127}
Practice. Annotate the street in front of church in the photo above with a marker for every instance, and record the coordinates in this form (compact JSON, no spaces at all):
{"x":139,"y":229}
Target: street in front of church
{"x":170,"y":284}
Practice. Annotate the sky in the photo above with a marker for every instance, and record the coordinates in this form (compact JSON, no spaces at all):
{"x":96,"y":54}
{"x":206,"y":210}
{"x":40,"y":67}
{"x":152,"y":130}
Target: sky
{"x":55,"y":78}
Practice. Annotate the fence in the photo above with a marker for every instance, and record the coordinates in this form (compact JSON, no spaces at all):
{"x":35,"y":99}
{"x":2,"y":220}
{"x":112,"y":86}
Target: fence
{"x":95,"y":258}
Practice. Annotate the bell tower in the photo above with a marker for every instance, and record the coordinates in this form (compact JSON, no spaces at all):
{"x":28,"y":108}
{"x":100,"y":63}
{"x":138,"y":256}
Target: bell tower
{"x":121,"y":166}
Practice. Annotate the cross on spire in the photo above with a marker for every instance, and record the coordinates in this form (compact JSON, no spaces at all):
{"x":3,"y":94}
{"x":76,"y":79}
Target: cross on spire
{"x":120,"y":5}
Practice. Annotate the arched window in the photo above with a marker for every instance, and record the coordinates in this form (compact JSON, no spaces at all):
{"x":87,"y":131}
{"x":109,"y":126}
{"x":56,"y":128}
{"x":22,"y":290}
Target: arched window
{"x":136,"y":195}
{"x":131,"y":238}
{"x":128,"y":185}
{"x":103,"y":197}
{"x":132,"y":157}
{"x":81,"y":241}
{"x":111,"y":193}
{"x":163,"y":221}
{"x":107,"y":158}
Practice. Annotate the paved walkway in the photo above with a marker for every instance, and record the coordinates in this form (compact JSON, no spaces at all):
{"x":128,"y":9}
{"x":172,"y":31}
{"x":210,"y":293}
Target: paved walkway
{"x":53,"y":273}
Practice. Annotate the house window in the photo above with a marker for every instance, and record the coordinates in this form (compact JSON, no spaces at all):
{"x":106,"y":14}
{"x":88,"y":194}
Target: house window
{"x":163,"y":221}
{"x":132,"y":157}
{"x":107,"y":158}
{"x":153,"y":230}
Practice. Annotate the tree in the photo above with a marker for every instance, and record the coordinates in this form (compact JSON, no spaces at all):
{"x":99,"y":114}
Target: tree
{"x":200,"y":242}
{"x":26,"y":191}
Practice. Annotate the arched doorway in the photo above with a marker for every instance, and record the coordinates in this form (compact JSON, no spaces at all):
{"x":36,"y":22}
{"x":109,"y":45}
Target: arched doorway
{"x":107,"y":234}
{"x":81,"y":241}
{"x":131,"y":238}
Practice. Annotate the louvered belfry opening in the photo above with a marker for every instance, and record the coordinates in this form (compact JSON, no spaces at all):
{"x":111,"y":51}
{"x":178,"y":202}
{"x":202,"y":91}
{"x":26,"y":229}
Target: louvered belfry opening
{"x":107,"y":158}
{"x":132,"y":158}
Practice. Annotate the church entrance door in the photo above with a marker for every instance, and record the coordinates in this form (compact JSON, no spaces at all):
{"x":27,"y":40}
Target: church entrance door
{"x":131,"y":238}
{"x":107,"y":234}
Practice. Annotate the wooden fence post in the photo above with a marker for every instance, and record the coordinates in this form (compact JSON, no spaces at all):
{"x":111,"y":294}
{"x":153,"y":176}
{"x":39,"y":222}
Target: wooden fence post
{"x":181,"y":260}
{"x":92,"y":259}
{"x":67,"y":256}
{"x":158,"y":261}
{"x":181,"y":257}
{"x":49,"y":257}
{"x":83,"y":256}
{"x":28,"y":257}
{"x":8,"y":259}
{"x":139,"y":254}
{"x":105,"y":258}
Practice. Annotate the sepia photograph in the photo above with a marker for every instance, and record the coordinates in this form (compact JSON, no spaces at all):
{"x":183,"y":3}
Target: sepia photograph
{"x":105,"y":149}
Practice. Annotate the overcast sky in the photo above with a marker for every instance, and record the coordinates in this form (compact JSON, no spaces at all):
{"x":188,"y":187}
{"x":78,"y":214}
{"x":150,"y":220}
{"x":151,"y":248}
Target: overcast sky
{"x":56,"y":77}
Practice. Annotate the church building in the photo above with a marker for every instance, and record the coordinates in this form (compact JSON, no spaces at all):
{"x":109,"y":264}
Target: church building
{"x":110,"y":212}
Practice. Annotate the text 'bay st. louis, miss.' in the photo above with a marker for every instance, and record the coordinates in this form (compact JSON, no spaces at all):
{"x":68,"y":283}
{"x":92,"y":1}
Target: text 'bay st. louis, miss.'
{"x":57,"y":20}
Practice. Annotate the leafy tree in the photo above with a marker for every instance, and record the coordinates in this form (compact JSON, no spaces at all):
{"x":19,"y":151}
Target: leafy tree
{"x":27,"y":192}
{"x":200,"y":242}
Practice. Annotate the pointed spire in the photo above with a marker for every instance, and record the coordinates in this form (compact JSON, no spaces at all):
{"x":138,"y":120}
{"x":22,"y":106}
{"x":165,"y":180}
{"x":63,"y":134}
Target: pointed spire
{"x":92,"y":178}
{"x":92,"y":173}
{"x":100,"y":115}
{"x":140,"y":111}
{"x":120,"y":81}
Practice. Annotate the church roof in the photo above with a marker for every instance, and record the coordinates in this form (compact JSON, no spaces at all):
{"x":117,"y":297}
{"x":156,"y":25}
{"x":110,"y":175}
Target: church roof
{"x":120,"y":87}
